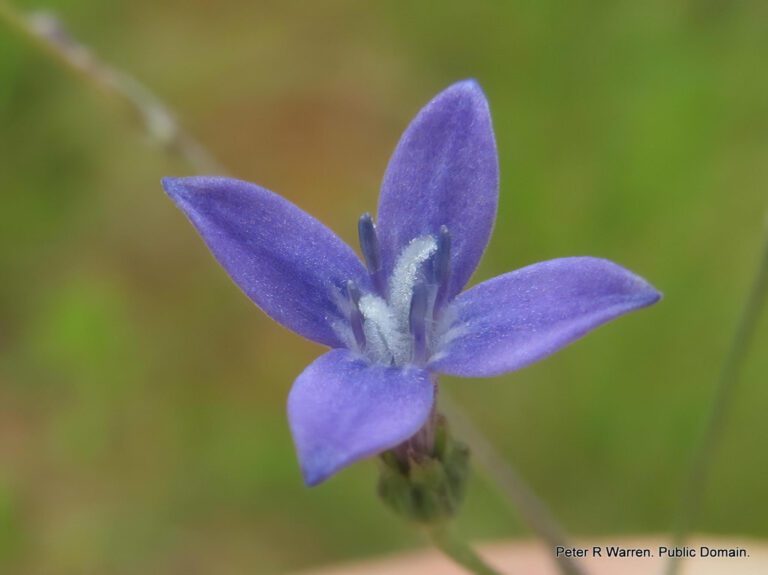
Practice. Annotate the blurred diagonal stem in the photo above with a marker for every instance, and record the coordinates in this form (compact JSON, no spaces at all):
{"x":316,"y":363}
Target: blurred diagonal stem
{"x":522,"y":497}
{"x":47,"y":33}
{"x":446,"y":540}
{"x":725,"y":391}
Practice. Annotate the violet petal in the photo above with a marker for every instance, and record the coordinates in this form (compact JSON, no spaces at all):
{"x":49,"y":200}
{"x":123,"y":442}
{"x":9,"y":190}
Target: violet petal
{"x":444,"y":171}
{"x":291,"y":265}
{"x":343,"y":408}
{"x":520,"y":317}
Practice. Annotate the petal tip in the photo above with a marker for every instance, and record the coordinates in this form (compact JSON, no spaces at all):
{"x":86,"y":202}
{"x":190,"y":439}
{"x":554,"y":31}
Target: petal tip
{"x":644,"y":294}
{"x":467,"y":84}
{"x":168,"y":183}
{"x":636,"y":287}
{"x":314,"y":477}
{"x":318,"y":465}
{"x":652,"y":295}
{"x":182,"y":187}
{"x":644,"y":291}
{"x":174,"y":187}
{"x":469,"y":88}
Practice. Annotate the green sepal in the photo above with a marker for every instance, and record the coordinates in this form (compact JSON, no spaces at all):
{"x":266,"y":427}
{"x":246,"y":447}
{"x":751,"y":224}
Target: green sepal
{"x":426,"y":488}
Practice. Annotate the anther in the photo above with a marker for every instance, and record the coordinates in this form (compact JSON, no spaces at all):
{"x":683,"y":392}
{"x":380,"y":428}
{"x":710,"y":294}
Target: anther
{"x":418,"y":321}
{"x":355,"y":316}
{"x":369,"y":244}
{"x":441,"y":266}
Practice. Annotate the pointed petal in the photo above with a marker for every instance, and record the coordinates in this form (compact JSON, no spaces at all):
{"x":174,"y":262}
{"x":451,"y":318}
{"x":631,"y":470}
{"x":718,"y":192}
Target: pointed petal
{"x":444,"y":172}
{"x":286,"y":261}
{"x":343,"y":408}
{"x":521,"y":317}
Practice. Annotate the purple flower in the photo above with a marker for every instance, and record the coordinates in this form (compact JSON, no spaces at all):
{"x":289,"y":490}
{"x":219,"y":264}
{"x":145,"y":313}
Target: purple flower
{"x":400,"y":319}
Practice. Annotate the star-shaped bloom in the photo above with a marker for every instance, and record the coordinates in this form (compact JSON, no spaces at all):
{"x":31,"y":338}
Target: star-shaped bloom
{"x":398,"y":318}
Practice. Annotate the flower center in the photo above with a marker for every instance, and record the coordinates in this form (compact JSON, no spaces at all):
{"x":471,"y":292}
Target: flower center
{"x":396,"y":324}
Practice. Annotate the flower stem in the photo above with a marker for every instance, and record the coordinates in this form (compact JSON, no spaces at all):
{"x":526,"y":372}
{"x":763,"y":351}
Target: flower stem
{"x":45,"y":32}
{"x":725,"y":390}
{"x":532,"y":508}
{"x":445,"y":539}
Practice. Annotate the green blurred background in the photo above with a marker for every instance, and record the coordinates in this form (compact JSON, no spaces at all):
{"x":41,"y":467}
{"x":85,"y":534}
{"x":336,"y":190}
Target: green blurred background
{"x":142,"y":396}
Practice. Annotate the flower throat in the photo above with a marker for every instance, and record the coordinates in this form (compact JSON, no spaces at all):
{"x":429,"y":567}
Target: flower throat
{"x":396,"y":323}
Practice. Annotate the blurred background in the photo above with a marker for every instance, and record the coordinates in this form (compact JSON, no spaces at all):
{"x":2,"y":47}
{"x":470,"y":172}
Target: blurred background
{"x":142,"y":396}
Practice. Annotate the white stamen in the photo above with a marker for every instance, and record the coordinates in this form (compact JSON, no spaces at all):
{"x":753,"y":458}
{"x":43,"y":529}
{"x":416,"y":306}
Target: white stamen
{"x":386,"y":323}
